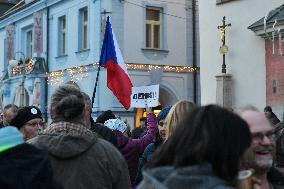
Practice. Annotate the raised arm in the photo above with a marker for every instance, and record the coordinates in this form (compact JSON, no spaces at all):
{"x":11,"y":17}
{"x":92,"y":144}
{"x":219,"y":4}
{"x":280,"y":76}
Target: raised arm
{"x":152,"y":129}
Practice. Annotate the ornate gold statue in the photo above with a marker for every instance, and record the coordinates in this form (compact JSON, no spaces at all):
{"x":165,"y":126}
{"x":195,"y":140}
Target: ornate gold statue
{"x":222,"y":30}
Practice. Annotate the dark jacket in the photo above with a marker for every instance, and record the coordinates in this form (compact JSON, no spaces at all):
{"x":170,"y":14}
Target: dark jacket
{"x":103,"y":132}
{"x":132,"y":149}
{"x":147,"y":154}
{"x":276,"y":178}
{"x":83,"y":161}
{"x":190,"y":177}
{"x":273,"y":119}
{"x":279,"y":155}
{"x":26,"y":167}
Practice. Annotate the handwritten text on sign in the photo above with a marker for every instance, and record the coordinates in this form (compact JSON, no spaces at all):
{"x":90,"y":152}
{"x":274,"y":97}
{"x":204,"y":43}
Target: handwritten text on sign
{"x":145,"y":96}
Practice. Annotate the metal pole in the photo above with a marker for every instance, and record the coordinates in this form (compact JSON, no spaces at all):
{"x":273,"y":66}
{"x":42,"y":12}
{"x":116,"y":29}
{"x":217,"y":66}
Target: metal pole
{"x":195,"y":100}
{"x":23,"y":87}
{"x":224,"y":65}
{"x":95,"y":88}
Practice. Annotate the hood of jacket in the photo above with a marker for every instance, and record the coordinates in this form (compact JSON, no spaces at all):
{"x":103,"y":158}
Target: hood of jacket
{"x":197,"y":177}
{"x":65,"y":145}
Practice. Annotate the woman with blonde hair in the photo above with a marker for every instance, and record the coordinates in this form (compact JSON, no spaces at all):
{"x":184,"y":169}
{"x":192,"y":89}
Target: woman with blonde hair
{"x":176,"y":114}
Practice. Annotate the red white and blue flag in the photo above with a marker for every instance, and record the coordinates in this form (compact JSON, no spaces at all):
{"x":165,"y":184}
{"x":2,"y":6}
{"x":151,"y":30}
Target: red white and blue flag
{"x":118,"y":80}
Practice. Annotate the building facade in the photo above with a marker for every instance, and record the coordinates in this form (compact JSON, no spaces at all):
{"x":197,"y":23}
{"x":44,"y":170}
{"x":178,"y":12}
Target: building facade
{"x":246,"y":56}
{"x":71,"y":38}
{"x":270,"y":29}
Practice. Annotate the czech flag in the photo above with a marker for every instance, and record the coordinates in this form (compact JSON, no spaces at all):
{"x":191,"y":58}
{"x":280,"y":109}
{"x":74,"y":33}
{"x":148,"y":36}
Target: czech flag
{"x":118,"y":80}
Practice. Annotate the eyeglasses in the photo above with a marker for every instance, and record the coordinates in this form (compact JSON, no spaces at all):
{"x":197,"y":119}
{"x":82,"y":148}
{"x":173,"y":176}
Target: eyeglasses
{"x":260,"y":136}
{"x":35,"y":124}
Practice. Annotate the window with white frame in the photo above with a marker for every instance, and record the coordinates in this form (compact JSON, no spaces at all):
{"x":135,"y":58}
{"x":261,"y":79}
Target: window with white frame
{"x":83,"y":28}
{"x":154,"y":27}
{"x":29,"y":39}
{"x":62,"y":35}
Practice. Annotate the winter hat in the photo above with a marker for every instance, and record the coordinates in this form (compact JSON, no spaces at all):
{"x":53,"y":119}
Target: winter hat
{"x":116,"y":124}
{"x":267,"y":109}
{"x":163,"y":113}
{"x":10,"y":137}
{"x":105,"y":116}
{"x":24,"y":115}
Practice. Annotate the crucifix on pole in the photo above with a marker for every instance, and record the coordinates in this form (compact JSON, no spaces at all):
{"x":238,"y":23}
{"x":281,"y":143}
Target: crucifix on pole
{"x":224,"y":48}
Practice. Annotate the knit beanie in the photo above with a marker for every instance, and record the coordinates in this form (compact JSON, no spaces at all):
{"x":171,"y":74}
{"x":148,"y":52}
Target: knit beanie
{"x":105,"y":116}
{"x":10,"y":137}
{"x":267,"y":109}
{"x":116,"y":124}
{"x":24,"y":115}
{"x":163,"y":113}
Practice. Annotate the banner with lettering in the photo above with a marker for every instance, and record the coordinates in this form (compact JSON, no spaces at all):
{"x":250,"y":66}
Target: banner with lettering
{"x":38,"y":39}
{"x":10,"y":33}
{"x":145,"y":96}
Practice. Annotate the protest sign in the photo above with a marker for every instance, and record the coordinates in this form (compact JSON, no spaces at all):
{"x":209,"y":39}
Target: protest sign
{"x":145,"y":96}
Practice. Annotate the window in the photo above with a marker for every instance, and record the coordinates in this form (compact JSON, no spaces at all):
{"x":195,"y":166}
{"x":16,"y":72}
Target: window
{"x":83,"y":29}
{"x":29,"y":44}
{"x":274,"y":87}
{"x":62,"y":36}
{"x":153,"y":27}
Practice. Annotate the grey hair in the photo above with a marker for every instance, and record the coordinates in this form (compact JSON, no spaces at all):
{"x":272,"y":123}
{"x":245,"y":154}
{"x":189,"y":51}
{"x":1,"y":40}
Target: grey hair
{"x":248,"y":107}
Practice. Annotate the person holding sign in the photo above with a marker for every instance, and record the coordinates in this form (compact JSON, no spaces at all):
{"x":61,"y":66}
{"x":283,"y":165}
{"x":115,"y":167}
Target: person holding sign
{"x":131,"y":148}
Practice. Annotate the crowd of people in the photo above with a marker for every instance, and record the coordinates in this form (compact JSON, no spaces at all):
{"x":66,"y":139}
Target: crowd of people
{"x":185,"y":146}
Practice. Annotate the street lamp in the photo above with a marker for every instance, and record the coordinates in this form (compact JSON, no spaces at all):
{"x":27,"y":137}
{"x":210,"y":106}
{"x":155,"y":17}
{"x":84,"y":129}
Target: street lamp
{"x":21,"y":64}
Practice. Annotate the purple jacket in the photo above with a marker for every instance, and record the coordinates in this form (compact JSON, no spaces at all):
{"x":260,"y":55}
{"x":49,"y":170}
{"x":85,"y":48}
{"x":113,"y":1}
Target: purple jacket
{"x":132,"y":149}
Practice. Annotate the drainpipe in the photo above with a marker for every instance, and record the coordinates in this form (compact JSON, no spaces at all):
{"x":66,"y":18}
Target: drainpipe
{"x":46,"y":63}
{"x":194,"y":51}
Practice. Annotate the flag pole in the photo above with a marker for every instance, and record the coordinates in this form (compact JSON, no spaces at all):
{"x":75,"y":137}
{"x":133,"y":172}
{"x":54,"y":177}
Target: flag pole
{"x":95,"y":88}
{"x":97,"y":79}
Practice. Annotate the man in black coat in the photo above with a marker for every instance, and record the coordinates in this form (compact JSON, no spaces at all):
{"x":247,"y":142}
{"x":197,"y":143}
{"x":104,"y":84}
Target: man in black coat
{"x":23,"y":166}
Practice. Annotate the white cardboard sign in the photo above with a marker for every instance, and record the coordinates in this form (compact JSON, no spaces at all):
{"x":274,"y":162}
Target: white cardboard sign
{"x":145,"y":96}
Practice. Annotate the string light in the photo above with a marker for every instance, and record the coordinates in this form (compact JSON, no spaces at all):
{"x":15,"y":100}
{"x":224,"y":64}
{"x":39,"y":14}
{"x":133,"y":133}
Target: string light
{"x":81,"y":72}
{"x":55,"y":78}
{"x":17,"y":70}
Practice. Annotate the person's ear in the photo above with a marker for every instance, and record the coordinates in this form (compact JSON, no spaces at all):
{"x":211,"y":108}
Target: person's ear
{"x":23,"y":131}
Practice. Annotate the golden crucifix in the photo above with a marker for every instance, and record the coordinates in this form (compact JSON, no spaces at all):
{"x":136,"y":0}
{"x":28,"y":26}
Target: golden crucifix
{"x":224,"y":48}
